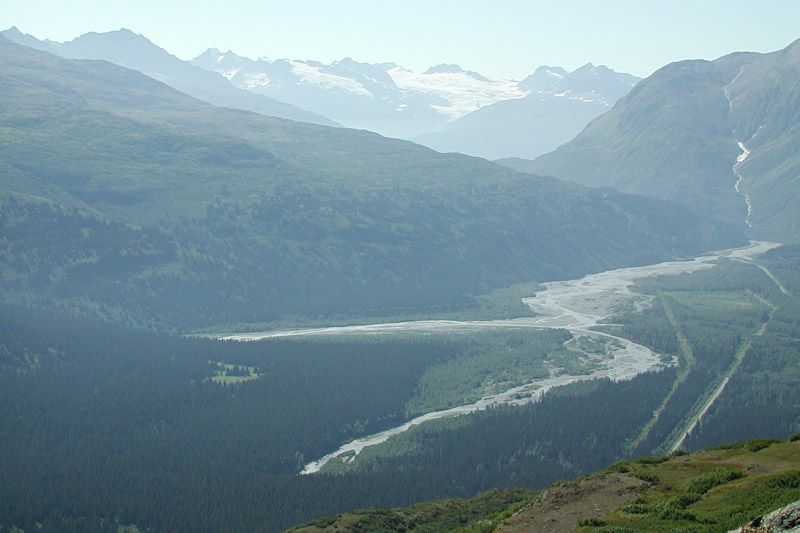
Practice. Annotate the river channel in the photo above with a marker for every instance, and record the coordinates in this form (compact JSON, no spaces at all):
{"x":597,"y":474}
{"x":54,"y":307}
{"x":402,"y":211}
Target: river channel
{"x":575,"y":305}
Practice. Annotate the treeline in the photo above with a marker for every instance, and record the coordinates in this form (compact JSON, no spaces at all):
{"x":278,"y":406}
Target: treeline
{"x":762,"y":398}
{"x":311,"y":393}
{"x":493,"y":362}
{"x":782,"y":262}
{"x":648,"y":327}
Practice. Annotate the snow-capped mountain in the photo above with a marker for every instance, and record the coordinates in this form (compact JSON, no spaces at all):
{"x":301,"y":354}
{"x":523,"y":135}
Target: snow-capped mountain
{"x":557,"y":106}
{"x":446,"y":107}
{"x":385,"y":98}
{"x":125,"y":48}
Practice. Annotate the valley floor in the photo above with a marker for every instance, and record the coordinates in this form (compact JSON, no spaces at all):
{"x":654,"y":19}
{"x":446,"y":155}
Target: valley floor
{"x":577,"y":306}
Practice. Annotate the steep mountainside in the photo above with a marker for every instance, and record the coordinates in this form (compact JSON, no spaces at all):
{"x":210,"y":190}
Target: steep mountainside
{"x":558,"y":106}
{"x":125,"y":48}
{"x":676,"y":136}
{"x":765,"y":112}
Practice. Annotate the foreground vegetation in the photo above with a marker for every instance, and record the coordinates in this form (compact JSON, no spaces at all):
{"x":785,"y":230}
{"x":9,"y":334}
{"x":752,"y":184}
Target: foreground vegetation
{"x":713,"y":490}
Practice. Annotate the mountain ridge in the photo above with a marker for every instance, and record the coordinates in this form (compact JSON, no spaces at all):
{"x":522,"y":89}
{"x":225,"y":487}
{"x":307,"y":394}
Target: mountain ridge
{"x":438,"y":99}
{"x":131,"y":50}
{"x":446,"y":108}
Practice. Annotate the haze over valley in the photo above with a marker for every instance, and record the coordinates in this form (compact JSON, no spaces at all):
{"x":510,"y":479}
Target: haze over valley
{"x":249,"y":294}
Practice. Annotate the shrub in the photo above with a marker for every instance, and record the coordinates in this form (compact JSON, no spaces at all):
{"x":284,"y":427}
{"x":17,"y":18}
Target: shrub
{"x":593,"y":521}
{"x":639,"y":508}
{"x":646,"y":476}
{"x":686,"y":499}
{"x":785,"y":480}
{"x":621,"y":468}
{"x":760,"y":444}
{"x":673,"y":513}
{"x":749,"y":445}
{"x":709,"y":480}
{"x":651,"y":460}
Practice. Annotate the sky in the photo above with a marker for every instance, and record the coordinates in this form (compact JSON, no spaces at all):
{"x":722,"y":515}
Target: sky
{"x":504,"y":39}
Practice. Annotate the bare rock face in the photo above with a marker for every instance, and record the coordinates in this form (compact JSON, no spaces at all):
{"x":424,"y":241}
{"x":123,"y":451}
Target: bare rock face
{"x":786,"y":519}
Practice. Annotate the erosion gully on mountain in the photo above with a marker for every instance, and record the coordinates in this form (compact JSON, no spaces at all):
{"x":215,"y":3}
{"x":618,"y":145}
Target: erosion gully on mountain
{"x":741,"y":158}
{"x":574,"y":305}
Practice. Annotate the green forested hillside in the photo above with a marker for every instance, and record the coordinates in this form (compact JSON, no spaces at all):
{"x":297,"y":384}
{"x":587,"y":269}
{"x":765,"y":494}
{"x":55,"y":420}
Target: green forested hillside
{"x":237,"y":218}
{"x":765,"y":391}
{"x":102,"y":425}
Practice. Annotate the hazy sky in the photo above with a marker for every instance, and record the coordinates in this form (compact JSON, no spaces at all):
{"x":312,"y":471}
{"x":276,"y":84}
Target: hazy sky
{"x":501,"y":38}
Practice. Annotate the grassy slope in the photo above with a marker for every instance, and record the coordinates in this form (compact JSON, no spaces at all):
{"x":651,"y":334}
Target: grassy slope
{"x":674,"y":496}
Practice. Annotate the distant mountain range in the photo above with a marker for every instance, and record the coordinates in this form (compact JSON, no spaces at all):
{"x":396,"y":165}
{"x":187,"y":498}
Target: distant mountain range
{"x":384,"y":98}
{"x":445,"y":108}
{"x":558,"y":105}
{"x":679,"y":133}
